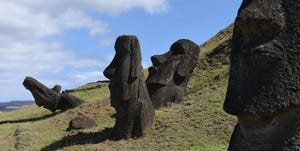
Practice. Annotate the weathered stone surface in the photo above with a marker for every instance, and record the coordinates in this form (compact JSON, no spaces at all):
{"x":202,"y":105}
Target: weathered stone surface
{"x":265,"y":58}
{"x":264,"y":81}
{"x":50,"y":99}
{"x":81,"y":122}
{"x":169,"y":75}
{"x":129,"y":95}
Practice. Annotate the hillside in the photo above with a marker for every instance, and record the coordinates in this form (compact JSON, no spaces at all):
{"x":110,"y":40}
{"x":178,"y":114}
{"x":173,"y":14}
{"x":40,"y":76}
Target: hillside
{"x":198,"y":123}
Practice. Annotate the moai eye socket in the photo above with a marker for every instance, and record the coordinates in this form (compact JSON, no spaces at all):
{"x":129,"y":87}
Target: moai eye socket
{"x":122,"y":46}
{"x":178,"y":52}
{"x":122,"y":51}
{"x":178,"y":49}
{"x":256,"y":25}
{"x":256,"y":31}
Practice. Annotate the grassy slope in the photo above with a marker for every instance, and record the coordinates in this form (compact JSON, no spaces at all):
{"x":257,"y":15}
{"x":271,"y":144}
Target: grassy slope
{"x":198,"y":123}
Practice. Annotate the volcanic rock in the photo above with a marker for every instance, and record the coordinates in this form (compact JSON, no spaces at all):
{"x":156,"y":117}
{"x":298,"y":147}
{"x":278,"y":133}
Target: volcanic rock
{"x":50,"y":99}
{"x":169,"y":75}
{"x":264,"y":85}
{"x":81,"y":122}
{"x":129,"y":95}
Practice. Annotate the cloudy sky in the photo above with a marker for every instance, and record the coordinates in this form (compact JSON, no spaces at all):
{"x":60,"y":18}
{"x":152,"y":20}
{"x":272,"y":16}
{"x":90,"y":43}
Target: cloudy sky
{"x":70,"y":42}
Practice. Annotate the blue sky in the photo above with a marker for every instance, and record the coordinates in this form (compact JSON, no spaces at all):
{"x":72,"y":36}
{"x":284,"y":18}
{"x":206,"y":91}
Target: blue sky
{"x":70,"y":42}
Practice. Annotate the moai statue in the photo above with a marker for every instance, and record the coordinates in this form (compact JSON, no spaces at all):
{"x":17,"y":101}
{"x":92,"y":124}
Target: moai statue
{"x":129,"y":95}
{"x":264,"y":81}
{"x":50,"y":99}
{"x":169,"y":75}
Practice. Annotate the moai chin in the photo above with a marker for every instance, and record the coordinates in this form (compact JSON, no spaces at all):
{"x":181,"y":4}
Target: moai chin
{"x":129,"y":95}
{"x":169,"y":75}
{"x":264,"y":82}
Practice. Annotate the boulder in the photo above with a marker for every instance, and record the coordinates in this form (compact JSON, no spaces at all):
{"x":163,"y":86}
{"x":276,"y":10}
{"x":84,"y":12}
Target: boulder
{"x":264,"y":85}
{"x":129,"y":95}
{"x":81,"y":122}
{"x":169,"y":75}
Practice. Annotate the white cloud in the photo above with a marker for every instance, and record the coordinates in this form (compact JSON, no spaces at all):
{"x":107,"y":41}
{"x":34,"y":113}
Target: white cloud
{"x":27,"y":30}
{"x":78,"y":19}
{"x":45,"y":62}
{"x":86,"y":77}
{"x":27,"y":20}
{"x":112,"y":7}
{"x":19,"y":24}
{"x":106,"y":42}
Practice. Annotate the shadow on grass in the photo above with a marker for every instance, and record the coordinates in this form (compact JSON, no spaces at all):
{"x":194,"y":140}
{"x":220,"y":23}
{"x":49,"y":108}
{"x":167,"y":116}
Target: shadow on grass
{"x":31,"y":119}
{"x":82,"y":139}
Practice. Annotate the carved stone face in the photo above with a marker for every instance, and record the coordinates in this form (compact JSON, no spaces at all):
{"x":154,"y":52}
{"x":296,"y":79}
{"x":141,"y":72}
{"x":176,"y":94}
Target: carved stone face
{"x":42,"y":95}
{"x":264,"y":81}
{"x":124,"y":70}
{"x":129,"y":95}
{"x":50,"y":99}
{"x":265,"y":58}
{"x":170,"y":72}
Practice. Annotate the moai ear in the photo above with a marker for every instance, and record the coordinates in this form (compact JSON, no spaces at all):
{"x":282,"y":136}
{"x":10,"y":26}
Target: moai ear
{"x":135,"y":57}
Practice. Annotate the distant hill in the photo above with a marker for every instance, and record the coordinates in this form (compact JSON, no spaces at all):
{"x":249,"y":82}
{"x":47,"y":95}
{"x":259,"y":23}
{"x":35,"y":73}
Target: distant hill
{"x":198,"y":123}
{"x":14,"y":105}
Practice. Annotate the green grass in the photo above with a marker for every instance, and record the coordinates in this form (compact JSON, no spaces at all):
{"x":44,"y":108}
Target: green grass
{"x":197,"y":123}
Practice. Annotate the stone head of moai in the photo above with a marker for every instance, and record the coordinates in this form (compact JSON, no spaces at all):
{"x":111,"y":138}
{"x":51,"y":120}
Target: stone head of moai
{"x":124,"y":70}
{"x":169,"y":75}
{"x":129,"y":95}
{"x":264,"y":81}
{"x":50,"y":99}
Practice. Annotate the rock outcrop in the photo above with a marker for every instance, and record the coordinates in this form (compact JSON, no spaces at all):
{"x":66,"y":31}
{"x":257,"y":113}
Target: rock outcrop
{"x":264,"y":82}
{"x":129,"y":95}
{"x":169,"y":75}
{"x":50,"y":99}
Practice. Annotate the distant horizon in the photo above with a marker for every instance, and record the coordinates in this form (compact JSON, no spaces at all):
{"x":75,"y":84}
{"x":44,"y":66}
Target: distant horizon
{"x":70,"y":44}
{"x":16,"y":101}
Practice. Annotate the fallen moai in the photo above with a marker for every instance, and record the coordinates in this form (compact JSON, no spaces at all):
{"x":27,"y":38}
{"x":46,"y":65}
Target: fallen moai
{"x":50,"y":99}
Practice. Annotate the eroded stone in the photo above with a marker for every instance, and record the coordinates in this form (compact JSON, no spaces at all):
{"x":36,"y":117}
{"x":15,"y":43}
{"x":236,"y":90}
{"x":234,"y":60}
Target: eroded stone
{"x":50,"y":99}
{"x":129,"y":95}
{"x":264,"y":85}
{"x":169,"y":75}
{"x":81,"y":122}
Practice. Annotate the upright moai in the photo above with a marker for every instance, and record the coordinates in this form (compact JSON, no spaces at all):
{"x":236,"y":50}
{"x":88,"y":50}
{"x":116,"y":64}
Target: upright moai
{"x":169,"y":75}
{"x":264,"y":81}
{"x":129,"y":95}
